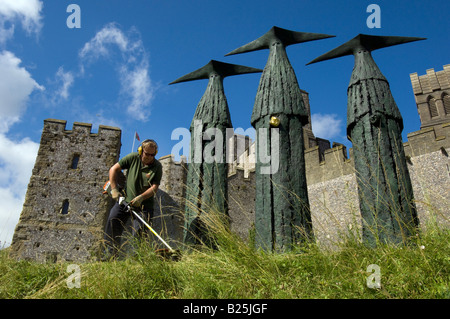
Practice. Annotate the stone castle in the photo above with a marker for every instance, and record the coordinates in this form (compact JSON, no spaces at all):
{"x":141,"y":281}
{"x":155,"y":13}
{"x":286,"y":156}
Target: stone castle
{"x":64,"y":212}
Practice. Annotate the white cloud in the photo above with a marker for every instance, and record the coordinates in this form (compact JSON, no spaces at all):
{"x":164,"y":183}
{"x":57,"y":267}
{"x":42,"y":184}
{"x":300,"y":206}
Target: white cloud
{"x":132,"y":66}
{"x":66,"y":79}
{"x":128,"y":57}
{"x":26,"y":12}
{"x":98,"y":46}
{"x":16,"y":163}
{"x":16,"y":84}
{"x":9,"y":216}
{"x":327,"y":126}
{"x":58,"y":88}
{"x":16,"y":157}
{"x":137,"y":84}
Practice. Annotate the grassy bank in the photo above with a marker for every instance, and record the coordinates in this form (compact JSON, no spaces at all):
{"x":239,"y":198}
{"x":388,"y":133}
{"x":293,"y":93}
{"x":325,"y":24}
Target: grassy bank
{"x":235,"y":270}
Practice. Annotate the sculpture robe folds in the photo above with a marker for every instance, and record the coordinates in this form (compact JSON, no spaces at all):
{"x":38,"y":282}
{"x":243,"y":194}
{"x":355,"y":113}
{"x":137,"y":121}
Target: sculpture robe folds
{"x":374,"y":125}
{"x":206,"y":184}
{"x":207,"y":178}
{"x":282,"y":215}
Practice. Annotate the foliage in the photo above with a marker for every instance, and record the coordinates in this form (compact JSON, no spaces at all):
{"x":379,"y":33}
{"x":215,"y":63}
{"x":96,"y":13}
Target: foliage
{"x":234,"y":269}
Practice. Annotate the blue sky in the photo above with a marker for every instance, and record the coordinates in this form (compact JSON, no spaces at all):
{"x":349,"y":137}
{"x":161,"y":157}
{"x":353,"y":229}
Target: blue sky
{"x":115,"y":69}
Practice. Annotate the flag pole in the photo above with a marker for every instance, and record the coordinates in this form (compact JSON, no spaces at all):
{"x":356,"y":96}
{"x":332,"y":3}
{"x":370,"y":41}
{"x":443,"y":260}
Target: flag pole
{"x":134,"y":138}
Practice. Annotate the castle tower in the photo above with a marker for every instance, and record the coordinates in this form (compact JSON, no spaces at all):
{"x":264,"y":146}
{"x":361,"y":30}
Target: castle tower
{"x":65,"y":211}
{"x":432,"y":94}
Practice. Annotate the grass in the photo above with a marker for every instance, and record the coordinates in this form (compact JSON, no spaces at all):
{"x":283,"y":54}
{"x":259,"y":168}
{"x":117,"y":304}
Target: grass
{"x":236,"y":270}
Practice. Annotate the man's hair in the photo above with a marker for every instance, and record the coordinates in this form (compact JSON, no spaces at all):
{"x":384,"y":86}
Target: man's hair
{"x":152,"y":143}
{"x":146,"y":143}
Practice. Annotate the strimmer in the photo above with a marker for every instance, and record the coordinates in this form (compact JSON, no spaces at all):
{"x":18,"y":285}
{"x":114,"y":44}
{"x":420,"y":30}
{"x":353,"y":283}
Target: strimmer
{"x":169,"y":253}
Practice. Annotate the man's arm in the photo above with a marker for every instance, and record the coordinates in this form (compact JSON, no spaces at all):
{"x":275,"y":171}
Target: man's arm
{"x":113,"y":174}
{"x":150,"y":192}
{"x":137,"y":201}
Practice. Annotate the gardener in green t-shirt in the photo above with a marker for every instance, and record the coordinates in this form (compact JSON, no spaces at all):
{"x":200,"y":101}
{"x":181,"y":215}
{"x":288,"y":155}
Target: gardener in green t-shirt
{"x":143,"y":177}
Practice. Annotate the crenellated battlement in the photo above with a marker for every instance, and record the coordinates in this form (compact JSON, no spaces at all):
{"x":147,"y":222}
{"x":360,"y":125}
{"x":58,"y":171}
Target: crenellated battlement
{"x":66,"y":152}
{"x":335,"y":163}
{"x":78,"y":128}
{"x":431,"y":81}
{"x":428,"y":140}
{"x":432,"y":95}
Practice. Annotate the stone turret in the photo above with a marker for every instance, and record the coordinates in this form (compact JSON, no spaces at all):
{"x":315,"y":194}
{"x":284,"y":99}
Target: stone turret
{"x":432,"y":94}
{"x":65,"y":211}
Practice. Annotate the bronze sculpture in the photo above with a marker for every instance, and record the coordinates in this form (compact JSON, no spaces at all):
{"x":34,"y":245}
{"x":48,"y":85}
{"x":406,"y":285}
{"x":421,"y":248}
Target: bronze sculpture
{"x":207,"y":176}
{"x":374,"y":125}
{"x":282,"y":215}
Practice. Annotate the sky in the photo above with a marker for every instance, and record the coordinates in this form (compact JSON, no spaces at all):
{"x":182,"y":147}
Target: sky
{"x":110,"y":62}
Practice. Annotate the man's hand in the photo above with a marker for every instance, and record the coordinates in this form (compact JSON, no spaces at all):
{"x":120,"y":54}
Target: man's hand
{"x":115,"y":194}
{"x":137,"y":201}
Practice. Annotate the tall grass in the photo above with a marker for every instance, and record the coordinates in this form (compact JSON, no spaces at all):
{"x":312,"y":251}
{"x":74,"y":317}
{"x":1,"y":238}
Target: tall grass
{"x":234,"y":269}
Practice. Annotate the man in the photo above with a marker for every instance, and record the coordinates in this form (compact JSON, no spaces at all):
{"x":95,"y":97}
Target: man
{"x":143,"y":177}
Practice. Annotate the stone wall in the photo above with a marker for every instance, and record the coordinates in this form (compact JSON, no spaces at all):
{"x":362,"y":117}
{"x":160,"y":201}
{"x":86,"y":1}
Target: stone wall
{"x":241,"y":201}
{"x":168,"y":218}
{"x":64,"y":212}
{"x":333,"y":194}
{"x":429,"y":167}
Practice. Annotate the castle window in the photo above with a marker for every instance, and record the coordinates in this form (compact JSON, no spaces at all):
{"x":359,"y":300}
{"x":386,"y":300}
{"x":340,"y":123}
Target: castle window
{"x":432,"y":107}
{"x":65,"y":207}
{"x":446,"y":101}
{"x":75,"y":159}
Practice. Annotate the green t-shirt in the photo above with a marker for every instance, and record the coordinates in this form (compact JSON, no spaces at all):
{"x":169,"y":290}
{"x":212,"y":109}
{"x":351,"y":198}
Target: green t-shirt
{"x":140,"y":177}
